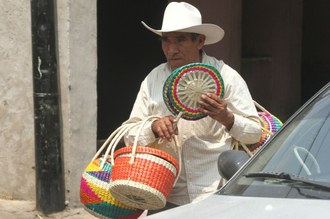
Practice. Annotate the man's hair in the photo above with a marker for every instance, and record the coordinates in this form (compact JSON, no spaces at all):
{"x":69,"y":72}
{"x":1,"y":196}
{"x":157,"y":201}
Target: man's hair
{"x":194,"y":36}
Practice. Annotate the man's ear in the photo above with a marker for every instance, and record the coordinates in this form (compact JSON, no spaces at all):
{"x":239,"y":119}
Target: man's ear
{"x":201,"y":41}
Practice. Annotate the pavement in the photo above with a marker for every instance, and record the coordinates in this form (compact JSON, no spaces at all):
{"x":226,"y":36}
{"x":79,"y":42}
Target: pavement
{"x":16,"y":209}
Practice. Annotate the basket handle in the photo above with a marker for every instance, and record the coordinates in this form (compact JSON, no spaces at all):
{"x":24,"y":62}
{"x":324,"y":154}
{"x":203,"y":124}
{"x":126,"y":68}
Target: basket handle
{"x":178,"y":150}
{"x":261,"y":107}
{"x":136,"y":138}
{"x":106,"y":143}
{"x":235,"y":146}
{"x":112,"y":140}
{"x":123,"y":132}
{"x":140,"y":130}
{"x":123,"y":129}
{"x":266,"y":111}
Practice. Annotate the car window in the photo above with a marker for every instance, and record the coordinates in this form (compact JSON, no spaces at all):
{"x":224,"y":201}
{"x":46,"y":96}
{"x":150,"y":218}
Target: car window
{"x":301,"y":149}
{"x":306,"y":150}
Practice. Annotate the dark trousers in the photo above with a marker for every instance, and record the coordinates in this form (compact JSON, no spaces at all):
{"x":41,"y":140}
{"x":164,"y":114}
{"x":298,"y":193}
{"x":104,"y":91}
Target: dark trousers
{"x":167,"y":206}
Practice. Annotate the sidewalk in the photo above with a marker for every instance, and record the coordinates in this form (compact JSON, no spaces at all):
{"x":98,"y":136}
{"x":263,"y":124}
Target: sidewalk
{"x":14,"y":209}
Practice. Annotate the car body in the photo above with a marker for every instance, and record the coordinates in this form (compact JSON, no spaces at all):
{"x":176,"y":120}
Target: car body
{"x":289,"y":177}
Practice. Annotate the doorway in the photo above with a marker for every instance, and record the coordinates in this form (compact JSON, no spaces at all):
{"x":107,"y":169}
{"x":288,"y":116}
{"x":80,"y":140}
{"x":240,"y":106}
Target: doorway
{"x":127,"y":52}
{"x":315,"y":47}
{"x":284,"y":52}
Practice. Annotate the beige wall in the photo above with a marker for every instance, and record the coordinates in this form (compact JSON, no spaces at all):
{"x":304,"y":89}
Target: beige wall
{"x":78,"y":65}
{"x":16,"y":105}
{"x":77,"y":69}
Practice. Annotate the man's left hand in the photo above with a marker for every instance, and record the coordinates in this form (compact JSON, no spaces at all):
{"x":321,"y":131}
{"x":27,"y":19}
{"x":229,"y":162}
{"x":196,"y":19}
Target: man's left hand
{"x":216,"y":108}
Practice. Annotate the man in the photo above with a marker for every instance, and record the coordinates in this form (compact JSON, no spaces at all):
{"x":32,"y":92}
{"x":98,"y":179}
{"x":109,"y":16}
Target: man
{"x":183,"y":37}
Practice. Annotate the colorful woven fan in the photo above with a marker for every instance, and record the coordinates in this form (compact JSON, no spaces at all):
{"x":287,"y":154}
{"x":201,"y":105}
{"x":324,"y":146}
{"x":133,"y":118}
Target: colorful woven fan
{"x":184,"y":87}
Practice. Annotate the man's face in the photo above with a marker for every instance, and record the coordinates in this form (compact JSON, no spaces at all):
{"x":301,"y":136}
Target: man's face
{"x":180,"y":49}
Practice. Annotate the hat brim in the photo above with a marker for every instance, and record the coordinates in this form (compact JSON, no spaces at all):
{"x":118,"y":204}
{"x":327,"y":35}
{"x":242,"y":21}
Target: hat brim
{"x":212,"y":32}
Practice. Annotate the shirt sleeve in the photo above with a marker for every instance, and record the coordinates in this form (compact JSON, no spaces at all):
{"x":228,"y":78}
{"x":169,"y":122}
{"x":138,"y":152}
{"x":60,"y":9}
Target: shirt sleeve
{"x":140,"y":112}
{"x":246,"y":130}
{"x":246,"y":127}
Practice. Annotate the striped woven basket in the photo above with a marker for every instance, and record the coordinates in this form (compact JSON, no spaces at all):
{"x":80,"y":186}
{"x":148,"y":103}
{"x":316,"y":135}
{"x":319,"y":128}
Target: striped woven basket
{"x":143,"y":177}
{"x":94,"y":187}
{"x":268,"y":123}
{"x":96,"y":197}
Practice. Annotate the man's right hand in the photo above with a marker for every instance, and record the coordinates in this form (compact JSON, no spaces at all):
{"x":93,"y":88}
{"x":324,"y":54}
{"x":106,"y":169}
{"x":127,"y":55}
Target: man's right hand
{"x":164,"y":128}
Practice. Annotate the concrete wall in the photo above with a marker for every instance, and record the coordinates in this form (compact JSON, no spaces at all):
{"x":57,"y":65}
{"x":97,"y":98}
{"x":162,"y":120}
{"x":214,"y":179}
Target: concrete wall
{"x":77,"y":69}
{"x":78,"y":65}
{"x":16,"y":102}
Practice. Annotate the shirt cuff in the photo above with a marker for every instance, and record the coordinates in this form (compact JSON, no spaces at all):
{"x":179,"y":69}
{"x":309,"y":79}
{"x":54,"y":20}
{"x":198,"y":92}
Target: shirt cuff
{"x":245,"y":130}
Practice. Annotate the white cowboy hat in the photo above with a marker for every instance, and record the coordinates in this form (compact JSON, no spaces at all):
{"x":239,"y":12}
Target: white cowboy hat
{"x":184,"y":17}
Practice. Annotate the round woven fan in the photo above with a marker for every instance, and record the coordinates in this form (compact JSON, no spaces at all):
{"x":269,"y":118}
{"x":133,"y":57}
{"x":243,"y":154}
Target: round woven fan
{"x":184,"y":86}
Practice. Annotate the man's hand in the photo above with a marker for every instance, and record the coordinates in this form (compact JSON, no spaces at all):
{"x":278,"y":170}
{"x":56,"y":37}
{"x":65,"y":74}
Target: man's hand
{"x":164,"y":128}
{"x":216,"y":108}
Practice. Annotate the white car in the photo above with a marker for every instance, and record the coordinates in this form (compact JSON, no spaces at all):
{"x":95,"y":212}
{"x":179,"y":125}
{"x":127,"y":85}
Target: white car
{"x":289,"y":177}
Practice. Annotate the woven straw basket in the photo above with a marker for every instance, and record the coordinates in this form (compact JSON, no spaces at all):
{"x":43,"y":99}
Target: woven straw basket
{"x":143,"y":177}
{"x":94,"y":187}
{"x":269,"y":125}
{"x":95,"y":195}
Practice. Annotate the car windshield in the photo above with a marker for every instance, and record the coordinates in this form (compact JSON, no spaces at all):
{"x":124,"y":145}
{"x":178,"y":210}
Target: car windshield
{"x":296,"y":162}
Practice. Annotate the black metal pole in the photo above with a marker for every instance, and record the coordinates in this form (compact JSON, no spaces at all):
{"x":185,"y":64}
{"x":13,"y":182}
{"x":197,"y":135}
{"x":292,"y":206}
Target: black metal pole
{"x":50,"y":191}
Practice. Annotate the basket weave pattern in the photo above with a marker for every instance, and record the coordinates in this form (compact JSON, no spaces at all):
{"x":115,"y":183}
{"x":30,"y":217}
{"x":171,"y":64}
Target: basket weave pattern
{"x":95,"y":195}
{"x":184,"y":86}
{"x":268,"y":122}
{"x":147,"y":183}
{"x":269,"y":125}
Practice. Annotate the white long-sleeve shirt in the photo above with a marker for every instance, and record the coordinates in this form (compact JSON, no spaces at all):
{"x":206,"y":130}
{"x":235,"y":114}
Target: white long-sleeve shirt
{"x":203,"y":140}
